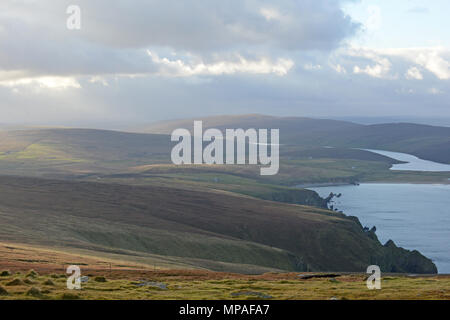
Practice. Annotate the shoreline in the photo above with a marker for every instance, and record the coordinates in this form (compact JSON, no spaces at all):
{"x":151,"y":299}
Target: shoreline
{"x":362,"y":214}
{"x":342,"y":184}
{"x":322,"y":184}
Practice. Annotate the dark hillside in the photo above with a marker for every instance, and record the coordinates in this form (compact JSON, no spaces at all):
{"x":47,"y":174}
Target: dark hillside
{"x":205,"y":225}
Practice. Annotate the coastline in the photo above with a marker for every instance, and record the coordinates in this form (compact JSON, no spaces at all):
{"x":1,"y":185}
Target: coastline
{"x":340,"y":184}
{"x":322,"y":184}
{"x":393,"y":216}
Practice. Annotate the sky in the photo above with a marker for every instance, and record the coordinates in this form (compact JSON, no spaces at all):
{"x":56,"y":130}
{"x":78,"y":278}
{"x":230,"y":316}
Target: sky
{"x":143,"y":61}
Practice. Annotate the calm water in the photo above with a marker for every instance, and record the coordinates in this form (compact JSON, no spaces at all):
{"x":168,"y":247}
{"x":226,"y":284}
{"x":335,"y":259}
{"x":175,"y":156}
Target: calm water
{"x":413,"y":163}
{"x":415,"y":216}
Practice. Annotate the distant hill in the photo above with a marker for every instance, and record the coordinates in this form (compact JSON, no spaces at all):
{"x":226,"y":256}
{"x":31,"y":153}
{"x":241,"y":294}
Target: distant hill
{"x":306,"y":156}
{"x":424,"y":141}
{"x":93,"y":144}
{"x":212,"y":230}
{"x":288,"y":125}
{"x":78,"y":151}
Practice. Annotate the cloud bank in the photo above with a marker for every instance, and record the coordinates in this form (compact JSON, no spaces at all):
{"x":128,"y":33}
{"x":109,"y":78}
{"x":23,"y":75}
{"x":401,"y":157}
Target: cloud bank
{"x":151,"y":60}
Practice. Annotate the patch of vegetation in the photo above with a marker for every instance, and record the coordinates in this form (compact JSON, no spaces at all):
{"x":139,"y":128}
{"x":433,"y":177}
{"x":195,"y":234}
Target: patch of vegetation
{"x":5,"y":273}
{"x":100,"y":279}
{"x":15,"y":282}
{"x":48,"y":282}
{"x":70,"y":296}
{"x":34,"y":292}
{"x":32,"y":274}
{"x":3,"y":291}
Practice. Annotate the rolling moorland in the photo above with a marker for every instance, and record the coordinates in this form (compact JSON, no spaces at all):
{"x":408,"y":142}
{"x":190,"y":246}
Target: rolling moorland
{"x":210,"y":226}
{"x":115,"y":195}
{"x":426,"y":142}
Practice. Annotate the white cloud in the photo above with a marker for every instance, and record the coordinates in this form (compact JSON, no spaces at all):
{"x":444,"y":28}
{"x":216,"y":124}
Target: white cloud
{"x":180,"y":68}
{"x":413,"y":73}
{"x":271,"y":14}
{"x":54,"y":83}
{"x":434,"y":63}
{"x":433,"y":59}
{"x":380,"y":67}
{"x":379,"y":70}
{"x":339,"y":69}
{"x":191,"y":45}
{"x":99,"y":79}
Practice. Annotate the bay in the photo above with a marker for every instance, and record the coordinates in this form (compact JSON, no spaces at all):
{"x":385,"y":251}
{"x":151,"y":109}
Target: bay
{"x":414,"y":216}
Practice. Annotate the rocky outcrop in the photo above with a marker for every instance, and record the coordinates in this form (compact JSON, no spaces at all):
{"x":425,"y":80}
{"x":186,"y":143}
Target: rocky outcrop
{"x":401,"y":260}
{"x":391,"y":258}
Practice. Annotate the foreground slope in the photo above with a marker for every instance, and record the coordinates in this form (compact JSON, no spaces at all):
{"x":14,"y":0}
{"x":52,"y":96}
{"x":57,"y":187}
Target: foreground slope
{"x":125,"y":280}
{"x":214,"y":230}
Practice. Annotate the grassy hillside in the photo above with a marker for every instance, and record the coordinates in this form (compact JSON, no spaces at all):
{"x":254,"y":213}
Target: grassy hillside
{"x":78,"y":151}
{"x":81,"y":145}
{"x":119,"y":196}
{"x":210,"y":229}
{"x":142,"y":160}
{"x":288,"y":125}
{"x":427,"y":142}
{"x":424,"y":141}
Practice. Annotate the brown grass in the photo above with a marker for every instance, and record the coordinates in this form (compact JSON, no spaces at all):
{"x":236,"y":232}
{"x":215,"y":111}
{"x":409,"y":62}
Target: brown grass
{"x":122,"y":283}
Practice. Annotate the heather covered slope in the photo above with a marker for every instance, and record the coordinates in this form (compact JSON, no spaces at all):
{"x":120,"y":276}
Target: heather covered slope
{"x":128,"y":280}
{"x":214,"y":230}
{"x":69,"y":152}
{"x":82,"y":145}
{"x":92,"y":154}
{"x":198,"y":216}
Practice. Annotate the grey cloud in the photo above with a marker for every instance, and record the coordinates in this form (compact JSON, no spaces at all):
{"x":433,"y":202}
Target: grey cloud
{"x":200,"y":26}
{"x":115,"y":34}
{"x":322,"y":93}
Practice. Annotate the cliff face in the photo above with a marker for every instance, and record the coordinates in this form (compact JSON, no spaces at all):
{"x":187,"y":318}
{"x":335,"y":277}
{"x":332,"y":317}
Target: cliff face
{"x":401,"y":260}
{"x":391,"y":258}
